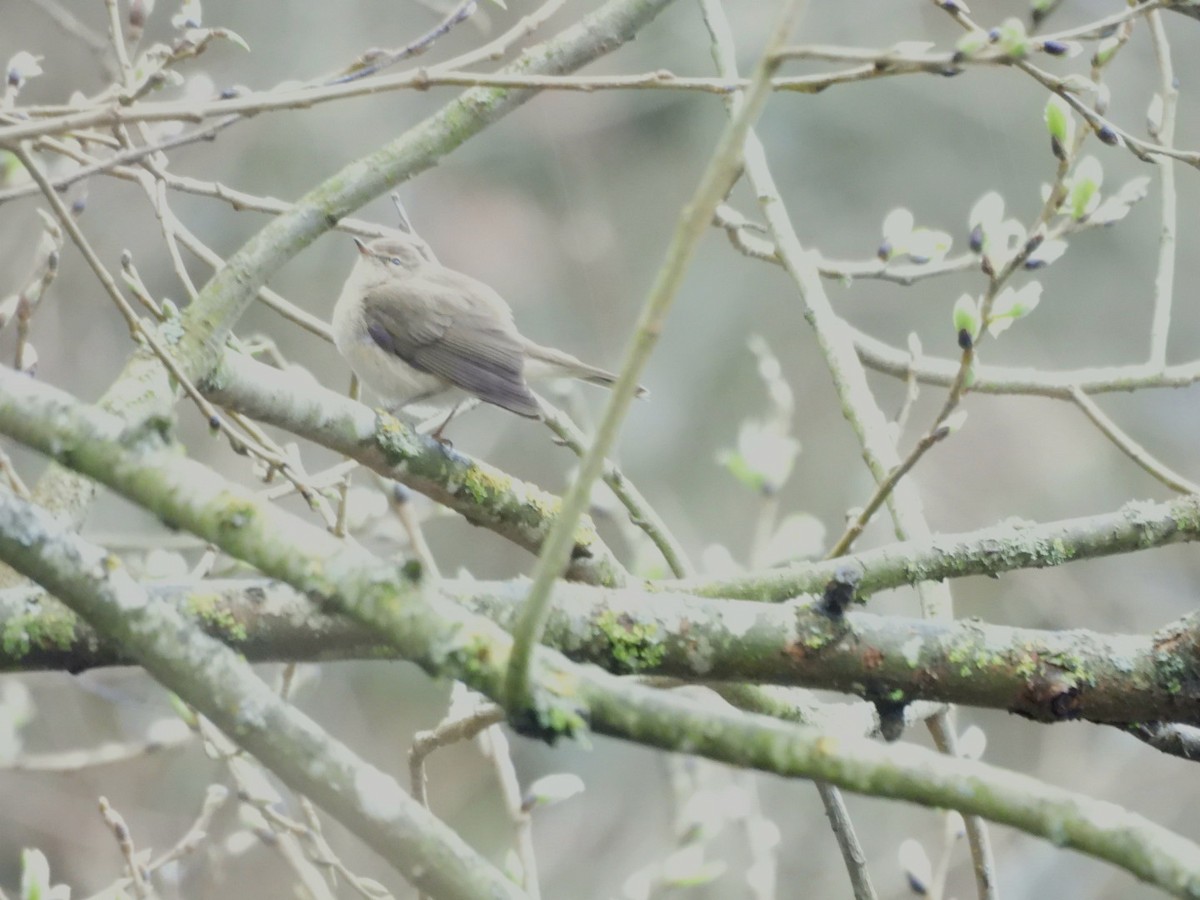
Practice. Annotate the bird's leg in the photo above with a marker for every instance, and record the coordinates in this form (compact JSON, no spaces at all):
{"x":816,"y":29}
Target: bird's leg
{"x":437,"y":435}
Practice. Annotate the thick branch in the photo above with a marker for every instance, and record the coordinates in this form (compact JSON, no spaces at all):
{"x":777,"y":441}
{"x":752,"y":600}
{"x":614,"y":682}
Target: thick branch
{"x":218,"y":682}
{"x":1049,"y":676}
{"x":444,"y":639}
{"x":485,"y":496}
{"x":1011,"y":545}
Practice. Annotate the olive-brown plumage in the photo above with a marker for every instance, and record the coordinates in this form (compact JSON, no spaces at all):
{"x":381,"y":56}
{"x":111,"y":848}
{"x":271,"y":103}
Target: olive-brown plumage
{"x":417,"y":332}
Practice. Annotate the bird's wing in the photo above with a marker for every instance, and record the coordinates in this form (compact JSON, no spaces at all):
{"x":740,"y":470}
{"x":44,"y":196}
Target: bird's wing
{"x":443,"y":326}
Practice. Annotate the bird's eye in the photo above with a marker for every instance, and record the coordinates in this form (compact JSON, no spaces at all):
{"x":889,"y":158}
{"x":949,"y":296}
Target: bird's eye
{"x":396,"y":261}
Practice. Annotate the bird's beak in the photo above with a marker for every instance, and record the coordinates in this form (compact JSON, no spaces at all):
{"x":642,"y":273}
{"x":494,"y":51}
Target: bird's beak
{"x":362,"y":248}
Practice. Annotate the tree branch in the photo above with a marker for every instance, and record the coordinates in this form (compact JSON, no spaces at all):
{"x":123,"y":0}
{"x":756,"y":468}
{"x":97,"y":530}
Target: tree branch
{"x":219,"y":683}
{"x":444,"y":639}
{"x":485,"y":496}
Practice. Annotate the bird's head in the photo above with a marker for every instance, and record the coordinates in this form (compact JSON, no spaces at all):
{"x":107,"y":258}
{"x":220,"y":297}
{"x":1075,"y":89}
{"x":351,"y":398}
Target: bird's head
{"x":388,"y":258}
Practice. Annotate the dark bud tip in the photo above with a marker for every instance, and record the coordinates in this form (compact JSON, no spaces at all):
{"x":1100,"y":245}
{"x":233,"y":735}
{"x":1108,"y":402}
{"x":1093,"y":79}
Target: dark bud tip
{"x":885,"y":251}
{"x":994,"y":35}
{"x":1033,"y":263}
{"x":841,"y":591}
{"x":1034,"y":242}
{"x":957,"y":57}
{"x":1107,"y":135}
{"x":214,"y":423}
{"x":401,"y":493}
{"x":1064,"y":706}
{"x":976,"y":239}
{"x":965,"y":341}
{"x":1059,"y":151}
{"x":1054,"y":48}
{"x":986,"y":267}
{"x":950,"y":6}
{"x":14,"y":78}
{"x":413,"y":571}
{"x":891,"y":719}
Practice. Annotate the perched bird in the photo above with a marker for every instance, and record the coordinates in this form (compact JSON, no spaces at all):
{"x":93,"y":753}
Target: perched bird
{"x":417,"y":332}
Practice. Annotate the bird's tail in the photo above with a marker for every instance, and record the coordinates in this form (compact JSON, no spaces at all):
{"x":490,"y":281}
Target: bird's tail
{"x":546,"y":362}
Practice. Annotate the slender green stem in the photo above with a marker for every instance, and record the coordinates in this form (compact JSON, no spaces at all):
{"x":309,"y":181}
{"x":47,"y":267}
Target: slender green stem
{"x":1164,"y":280}
{"x":694,"y":220}
{"x":643,"y":515}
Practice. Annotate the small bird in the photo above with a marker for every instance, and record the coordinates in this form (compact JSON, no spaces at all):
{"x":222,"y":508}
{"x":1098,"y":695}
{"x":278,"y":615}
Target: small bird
{"x":417,"y":332}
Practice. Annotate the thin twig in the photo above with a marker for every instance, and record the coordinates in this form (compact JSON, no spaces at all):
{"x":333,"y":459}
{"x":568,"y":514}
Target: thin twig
{"x":255,"y":791}
{"x":400,"y":501}
{"x":379,"y":60}
{"x":28,"y":300}
{"x":843,"y":830}
{"x":449,"y":731}
{"x":102,"y":755}
{"x":116,"y":38}
{"x":881,"y":64}
{"x":716,"y":181}
{"x":951,"y":833}
{"x":121,"y":158}
{"x":496,"y":748}
{"x":983,"y":860}
{"x":70,"y":24}
{"x":641,"y":513}
{"x":116,"y":824}
{"x":1101,"y":28}
{"x":1143,"y":150}
{"x":1132,"y":448}
{"x":940,"y":372}
{"x":912,"y":385}
{"x":997,"y":278}
{"x":496,"y":49}
{"x":139,"y":331}
{"x":853,"y":856}
{"x":884,"y":489}
{"x":1169,"y":737}
{"x":15,"y":482}
{"x":857,"y":400}
{"x":1164,"y":280}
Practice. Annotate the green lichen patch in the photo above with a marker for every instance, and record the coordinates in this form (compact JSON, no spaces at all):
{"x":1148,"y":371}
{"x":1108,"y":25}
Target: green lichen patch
{"x":547,"y":506}
{"x":397,"y":441}
{"x":555,"y":710}
{"x":483,"y":483}
{"x":473,"y":655}
{"x":631,"y":646}
{"x":234,"y":513}
{"x":215,"y":617}
{"x":46,"y":629}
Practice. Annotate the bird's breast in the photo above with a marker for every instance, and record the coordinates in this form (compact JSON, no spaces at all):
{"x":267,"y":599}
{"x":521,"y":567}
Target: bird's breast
{"x":394,"y":380}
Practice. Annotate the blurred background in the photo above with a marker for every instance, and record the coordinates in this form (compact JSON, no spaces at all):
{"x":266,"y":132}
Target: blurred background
{"x":566,"y":207}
